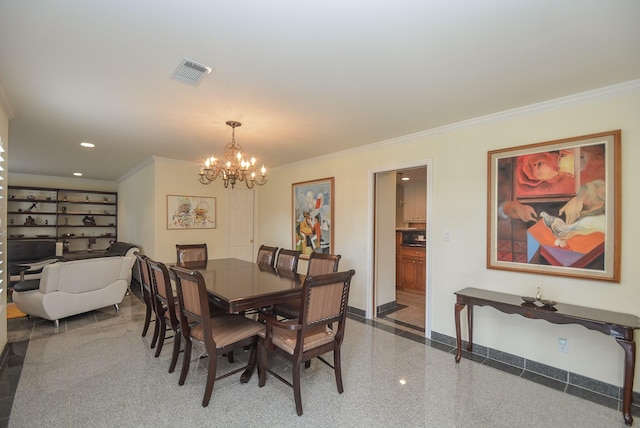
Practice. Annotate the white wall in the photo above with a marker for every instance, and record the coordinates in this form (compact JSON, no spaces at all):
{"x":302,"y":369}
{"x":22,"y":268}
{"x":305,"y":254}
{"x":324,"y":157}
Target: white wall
{"x":459,"y":158}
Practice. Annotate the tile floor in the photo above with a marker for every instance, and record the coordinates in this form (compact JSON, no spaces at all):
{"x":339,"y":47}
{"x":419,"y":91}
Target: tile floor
{"x":97,"y":370}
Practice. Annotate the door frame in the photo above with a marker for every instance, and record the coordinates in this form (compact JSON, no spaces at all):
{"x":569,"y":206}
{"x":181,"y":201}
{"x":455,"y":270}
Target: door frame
{"x":372,"y":293}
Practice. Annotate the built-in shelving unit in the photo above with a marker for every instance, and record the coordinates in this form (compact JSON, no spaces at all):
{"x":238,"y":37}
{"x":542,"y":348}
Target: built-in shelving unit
{"x":80,"y":219}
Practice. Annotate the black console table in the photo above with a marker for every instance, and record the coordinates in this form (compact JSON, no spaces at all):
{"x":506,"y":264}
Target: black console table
{"x":620,"y":326}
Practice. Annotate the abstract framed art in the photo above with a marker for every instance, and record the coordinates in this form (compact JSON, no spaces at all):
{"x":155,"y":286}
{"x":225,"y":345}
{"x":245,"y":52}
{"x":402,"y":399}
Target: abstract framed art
{"x":191,"y":212}
{"x":554,"y":207}
{"x":312,"y":216}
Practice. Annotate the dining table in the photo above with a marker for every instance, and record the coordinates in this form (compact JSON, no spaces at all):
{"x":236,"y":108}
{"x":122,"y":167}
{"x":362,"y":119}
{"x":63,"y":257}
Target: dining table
{"x":237,"y":286}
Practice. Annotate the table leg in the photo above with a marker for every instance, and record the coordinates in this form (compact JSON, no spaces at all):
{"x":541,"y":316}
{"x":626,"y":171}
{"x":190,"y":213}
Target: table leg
{"x":457,"y":309}
{"x":629,"y":347}
{"x":470,"y":327}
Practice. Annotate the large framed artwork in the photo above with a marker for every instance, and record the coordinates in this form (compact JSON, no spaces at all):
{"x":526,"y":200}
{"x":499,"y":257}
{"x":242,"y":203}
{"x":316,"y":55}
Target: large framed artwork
{"x":312,"y":206}
{"x":191,"y":212}
{"x":554,"y":207}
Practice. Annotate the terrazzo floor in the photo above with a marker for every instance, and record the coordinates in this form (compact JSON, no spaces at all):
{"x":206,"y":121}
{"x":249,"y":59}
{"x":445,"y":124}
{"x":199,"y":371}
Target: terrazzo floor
{"x":97,"y":371}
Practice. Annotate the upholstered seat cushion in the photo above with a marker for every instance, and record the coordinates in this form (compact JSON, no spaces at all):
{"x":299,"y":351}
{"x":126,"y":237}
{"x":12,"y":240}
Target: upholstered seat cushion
{"x":286,"y":339}
{"x":228,"y":329}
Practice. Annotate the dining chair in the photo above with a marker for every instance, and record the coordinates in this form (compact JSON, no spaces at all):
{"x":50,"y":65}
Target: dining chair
{"x":267,"y":256}
{"x":321,"y":263}
{"x":219,"y":334}
{"x":147,"y":297}
{"x":191,"y":253}
{"x":324,"y":301}
{"x":166,"y":309}
{"x":287,"y":264}
{"x":288,"y":260}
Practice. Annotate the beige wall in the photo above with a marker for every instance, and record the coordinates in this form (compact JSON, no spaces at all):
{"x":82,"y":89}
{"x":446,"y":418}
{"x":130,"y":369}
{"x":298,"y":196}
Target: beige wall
{"x":143,"y":195}
{"x":458,"y":155}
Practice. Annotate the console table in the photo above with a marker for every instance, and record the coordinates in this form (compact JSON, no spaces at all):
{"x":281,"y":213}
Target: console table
{"x":620,"y":326}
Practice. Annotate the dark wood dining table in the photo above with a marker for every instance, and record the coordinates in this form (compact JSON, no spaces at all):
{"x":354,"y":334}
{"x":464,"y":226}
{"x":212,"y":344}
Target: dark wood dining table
{"x":236,"y":285}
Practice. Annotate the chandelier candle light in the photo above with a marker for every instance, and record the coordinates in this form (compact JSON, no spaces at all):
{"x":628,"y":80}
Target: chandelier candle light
{"x":236,"y":169}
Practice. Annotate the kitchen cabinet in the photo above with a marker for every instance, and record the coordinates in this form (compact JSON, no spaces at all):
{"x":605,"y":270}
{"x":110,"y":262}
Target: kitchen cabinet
{"x":81,"y":219}
{"x":414,"y":208}
{"x":412,"y":269}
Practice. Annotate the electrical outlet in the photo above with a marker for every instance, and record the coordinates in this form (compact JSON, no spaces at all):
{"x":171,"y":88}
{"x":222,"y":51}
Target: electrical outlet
{"x":446,"y":235}
{"x":563,"y":345}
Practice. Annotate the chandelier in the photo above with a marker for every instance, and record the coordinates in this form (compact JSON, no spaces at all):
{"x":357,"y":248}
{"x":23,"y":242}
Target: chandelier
{"x":235,"y":169}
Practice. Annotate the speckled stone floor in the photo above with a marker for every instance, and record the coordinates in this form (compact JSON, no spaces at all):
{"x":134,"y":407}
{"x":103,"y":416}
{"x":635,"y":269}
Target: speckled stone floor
{"x":97,"y":371}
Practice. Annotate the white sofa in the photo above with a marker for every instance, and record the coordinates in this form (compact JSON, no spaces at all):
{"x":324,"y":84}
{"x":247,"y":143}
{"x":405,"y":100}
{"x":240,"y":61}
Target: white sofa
{"x":74,"y":287}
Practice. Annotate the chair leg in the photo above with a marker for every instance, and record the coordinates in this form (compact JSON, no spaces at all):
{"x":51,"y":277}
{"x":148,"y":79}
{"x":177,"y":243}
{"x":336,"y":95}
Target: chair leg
{"x":296,"y":387}
{"x":211,"y":378}
{"x":262,"y":363}
{"x":156,"y":332}
{"x":177,"y":338}
{"x":186,"y":360}
{"x":307,"y":364}
{"x":230,"y":357}
{"x":147,"y":318}
{"x":337,"y":369}
{"x":163,"y":332}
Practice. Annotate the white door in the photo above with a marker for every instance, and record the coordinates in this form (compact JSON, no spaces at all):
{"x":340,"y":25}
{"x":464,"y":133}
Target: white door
{"x":241,"y":224}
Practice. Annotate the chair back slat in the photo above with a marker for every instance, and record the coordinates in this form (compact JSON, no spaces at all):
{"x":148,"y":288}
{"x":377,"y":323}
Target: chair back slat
{"x":320,"y":263}
{"x":191,"y":294}
{"x":144,"y":270}
{"x":161,"y":288}
{"x":325,"y":298}
{"x":191,"y":253}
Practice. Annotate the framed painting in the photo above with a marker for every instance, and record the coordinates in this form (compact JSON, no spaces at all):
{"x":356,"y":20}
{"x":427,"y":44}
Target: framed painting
{"x":312,"y":216}
{"x":554,"y":207}
{"x":191,"y":212}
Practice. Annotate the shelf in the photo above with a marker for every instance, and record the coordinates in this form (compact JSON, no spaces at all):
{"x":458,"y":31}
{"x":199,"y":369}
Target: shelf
{"x":51,"y":203}
{"x":83,"y":214}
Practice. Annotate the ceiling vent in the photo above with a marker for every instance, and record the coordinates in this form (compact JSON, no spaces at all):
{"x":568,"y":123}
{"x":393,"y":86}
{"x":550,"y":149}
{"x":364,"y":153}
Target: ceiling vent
{"x":190,"y":72}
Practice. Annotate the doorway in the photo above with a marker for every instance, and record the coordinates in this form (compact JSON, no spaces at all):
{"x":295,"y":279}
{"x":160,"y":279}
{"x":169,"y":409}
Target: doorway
{"x":241,"y":224}
{"x":406,"y":307}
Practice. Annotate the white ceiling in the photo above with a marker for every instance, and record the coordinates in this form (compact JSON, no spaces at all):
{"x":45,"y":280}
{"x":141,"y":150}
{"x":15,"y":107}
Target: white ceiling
{"x":305,"y":78}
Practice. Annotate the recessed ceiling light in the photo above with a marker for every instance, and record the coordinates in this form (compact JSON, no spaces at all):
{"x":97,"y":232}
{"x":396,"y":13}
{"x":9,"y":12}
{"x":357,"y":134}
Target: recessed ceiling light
{"x":85,"y":144}
{"x":405,"y":179}
{"x":77,"y":174}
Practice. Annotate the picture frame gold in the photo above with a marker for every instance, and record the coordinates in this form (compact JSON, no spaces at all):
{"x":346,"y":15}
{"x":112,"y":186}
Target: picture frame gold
{"x":554,"y":207}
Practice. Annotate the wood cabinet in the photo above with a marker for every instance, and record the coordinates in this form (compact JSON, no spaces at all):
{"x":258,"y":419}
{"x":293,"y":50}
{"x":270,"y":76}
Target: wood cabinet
{"x":80,"y":219}
{"x":411,"y":269}
{"x":415,"y":202}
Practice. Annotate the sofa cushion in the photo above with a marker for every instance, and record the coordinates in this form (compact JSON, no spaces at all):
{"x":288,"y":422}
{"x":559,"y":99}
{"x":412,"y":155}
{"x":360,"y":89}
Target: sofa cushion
{"x":28,"y":285}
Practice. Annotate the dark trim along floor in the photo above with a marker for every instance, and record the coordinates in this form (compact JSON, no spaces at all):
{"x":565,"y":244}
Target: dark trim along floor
{"x":571,"y":383}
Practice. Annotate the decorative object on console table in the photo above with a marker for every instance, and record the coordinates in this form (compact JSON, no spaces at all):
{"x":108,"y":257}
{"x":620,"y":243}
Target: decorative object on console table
{"x":554,"y":207}
{"x":313,"y":214}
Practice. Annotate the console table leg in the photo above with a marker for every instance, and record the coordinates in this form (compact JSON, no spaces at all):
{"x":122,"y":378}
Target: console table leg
{"x":457,"y":309}
{"x":470,"y":327}
{"x":629,"y":347}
